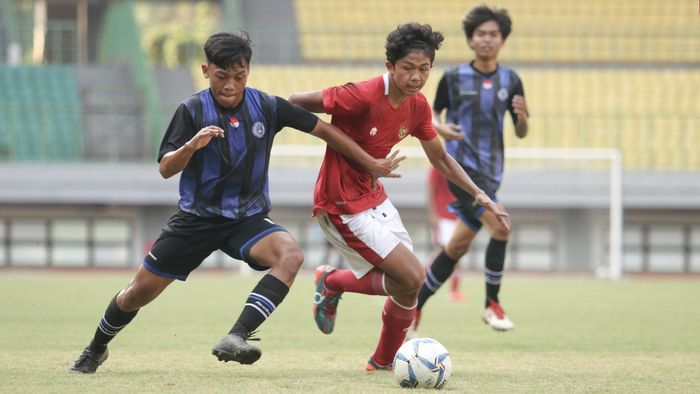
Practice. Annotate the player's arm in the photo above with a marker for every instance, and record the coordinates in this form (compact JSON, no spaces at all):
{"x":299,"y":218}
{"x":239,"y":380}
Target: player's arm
{"x":180,"y":142}
{"x":349,"y":148}
{"x":175,"y":161}
{"x":519,"y":111}
{"x":310,"y":101}
{"x":301,"y":119}
{"x":448,"y":167}
{"x":432,"y":203}
{"x":448,"y":131}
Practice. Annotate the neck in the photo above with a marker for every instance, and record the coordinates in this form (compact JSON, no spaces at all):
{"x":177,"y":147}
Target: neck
{"x":486,"y":66}
{"x":396,"y":98}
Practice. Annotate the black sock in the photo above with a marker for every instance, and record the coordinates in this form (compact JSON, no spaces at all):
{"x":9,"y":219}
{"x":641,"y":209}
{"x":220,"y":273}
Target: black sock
{"x":437,"y":274}
{"x":266,"y":295}
{"x":113,"y":321}
{"x":495,"y":259}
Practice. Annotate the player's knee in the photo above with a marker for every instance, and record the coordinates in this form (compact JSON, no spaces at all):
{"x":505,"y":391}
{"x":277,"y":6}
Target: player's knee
{"x":414,"y":281}
{"x":455,"y":250}
{"x":501,"y":234}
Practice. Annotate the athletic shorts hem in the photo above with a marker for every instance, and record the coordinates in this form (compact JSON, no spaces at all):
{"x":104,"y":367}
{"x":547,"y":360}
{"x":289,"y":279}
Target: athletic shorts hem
{"x":157,"y":272}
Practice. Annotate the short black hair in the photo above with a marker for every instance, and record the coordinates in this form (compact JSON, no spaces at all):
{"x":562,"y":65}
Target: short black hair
{"x":226,"y":49}
{"x":411,"y":37}
{"x":483,"y":13}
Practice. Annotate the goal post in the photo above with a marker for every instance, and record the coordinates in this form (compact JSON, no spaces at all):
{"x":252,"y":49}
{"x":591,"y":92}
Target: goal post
{"x":612,"y":158}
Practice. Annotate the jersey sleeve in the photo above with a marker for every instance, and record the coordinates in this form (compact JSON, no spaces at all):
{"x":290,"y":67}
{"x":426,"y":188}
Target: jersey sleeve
{"x":180,"y":130}
{"x":294,"y":116}
{"x":442,"y":98}
{"x":518,"y":90}
{"x":348,"y":99}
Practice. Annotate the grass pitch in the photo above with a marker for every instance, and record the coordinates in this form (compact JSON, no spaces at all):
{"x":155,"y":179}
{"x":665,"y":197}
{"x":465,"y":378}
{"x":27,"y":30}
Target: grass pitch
{"x":573,"y":335}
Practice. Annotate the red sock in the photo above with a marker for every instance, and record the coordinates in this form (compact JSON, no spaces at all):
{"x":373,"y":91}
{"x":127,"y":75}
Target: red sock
{"x":455,"y":281}
{"x":396,"y":320}
{"x":345,"y":280}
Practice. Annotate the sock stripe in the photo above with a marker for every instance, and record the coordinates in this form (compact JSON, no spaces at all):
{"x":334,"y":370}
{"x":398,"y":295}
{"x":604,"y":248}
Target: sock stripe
{"x":109,"y":329}
{"x":431,"y":281}
{"x":257,"y":308}
{"x":263,"y":301}
{"x":493,"y":277}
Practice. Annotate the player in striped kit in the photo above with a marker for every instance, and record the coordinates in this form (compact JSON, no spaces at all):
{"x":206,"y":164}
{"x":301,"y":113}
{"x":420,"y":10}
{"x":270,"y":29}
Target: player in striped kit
{"x":220,"y":139}
{"x":476,"y":96}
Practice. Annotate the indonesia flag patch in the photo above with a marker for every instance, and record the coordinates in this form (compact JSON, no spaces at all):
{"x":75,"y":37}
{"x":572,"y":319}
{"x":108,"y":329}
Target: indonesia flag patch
{"x":487,"y":84}
{"x":234,"y":122}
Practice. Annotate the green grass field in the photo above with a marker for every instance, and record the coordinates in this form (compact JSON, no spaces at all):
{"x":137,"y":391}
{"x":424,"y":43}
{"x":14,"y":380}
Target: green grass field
{"x":573,"y":334}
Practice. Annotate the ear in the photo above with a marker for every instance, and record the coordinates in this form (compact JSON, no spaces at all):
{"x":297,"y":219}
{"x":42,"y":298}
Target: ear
{"x":469,"y":42}
{"x":205,"y":71}
{"x":389,"y":66}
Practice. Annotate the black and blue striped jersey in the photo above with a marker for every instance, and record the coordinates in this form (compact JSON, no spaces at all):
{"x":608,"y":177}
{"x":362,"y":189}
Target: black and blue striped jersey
{"x":478,"y":102}
{"x":229,"y":176}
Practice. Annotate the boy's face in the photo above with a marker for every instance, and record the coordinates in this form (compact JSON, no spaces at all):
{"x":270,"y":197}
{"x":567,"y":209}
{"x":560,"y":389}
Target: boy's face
{"x":227,"y":85}
{"x":486,"y":40}
{"x":411,"y":72}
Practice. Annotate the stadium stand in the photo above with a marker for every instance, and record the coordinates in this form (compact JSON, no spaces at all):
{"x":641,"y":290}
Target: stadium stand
{"x":597,"y":74}
{"x":43,"y":111}
{"x":547,"y":31}
{"x":629,"y":109}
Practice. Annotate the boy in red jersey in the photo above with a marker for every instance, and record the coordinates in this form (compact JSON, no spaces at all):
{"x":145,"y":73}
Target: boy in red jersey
{"x":351,"y":206}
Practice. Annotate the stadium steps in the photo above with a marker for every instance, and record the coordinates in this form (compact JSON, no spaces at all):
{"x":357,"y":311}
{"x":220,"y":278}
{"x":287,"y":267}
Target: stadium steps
{"x":174,"y":86}
{"x":114,"y":114}
{"x":273,"y":34}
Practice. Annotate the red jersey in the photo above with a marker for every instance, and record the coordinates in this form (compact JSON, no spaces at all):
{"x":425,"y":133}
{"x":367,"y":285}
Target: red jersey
{"x":441,"y":194}
{"x":362,"y":110}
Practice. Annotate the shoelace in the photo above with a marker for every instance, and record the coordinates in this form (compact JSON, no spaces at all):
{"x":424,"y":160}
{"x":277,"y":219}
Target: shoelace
{"x":332,"y":304}
{"x":249,"y":336}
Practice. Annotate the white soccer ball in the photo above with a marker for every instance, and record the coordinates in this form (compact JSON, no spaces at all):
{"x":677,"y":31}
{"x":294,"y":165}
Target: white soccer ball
{"x":422,"y":362}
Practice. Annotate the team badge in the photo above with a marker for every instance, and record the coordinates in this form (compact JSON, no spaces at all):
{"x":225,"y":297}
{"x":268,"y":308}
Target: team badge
{"x":502,"y":94}
{"x":373,"y":132}
{"x":258,"y":129}
{"x":403,"y":132}
{"x":487,"y":84}
{"x":234,"y":122}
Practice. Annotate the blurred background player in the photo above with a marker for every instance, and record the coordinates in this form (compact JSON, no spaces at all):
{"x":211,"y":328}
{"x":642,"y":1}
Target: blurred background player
{"x":442,"y":223}
{"x":220,"y":138}
{"x":476,"y":96}
{"x":352,"y":207}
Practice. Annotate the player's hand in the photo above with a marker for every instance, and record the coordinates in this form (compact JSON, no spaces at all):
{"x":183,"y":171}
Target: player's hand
{"x":503,"y":217}
{"x":202,"y":138}
{"x":385,"y":167}
{"x":450,"y":131}
{"x":520,"y":107}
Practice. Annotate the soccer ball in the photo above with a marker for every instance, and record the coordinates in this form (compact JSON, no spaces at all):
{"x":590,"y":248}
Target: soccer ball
{"x":422,"y":362}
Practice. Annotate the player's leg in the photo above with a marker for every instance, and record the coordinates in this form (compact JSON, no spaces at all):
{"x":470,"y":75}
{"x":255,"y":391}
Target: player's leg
{"x":444,"y":264}
{"x":263,"y":245}
{"x":493,"y":314}
{"x":404,"y":277}
{"x":123,"y":307}
{"x":172,"y":257}
{"x":446,"y":227}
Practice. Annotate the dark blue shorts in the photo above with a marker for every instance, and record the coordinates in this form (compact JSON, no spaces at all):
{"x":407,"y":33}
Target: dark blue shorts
{"x":188,"y":239}
{"x":465,"y":207}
